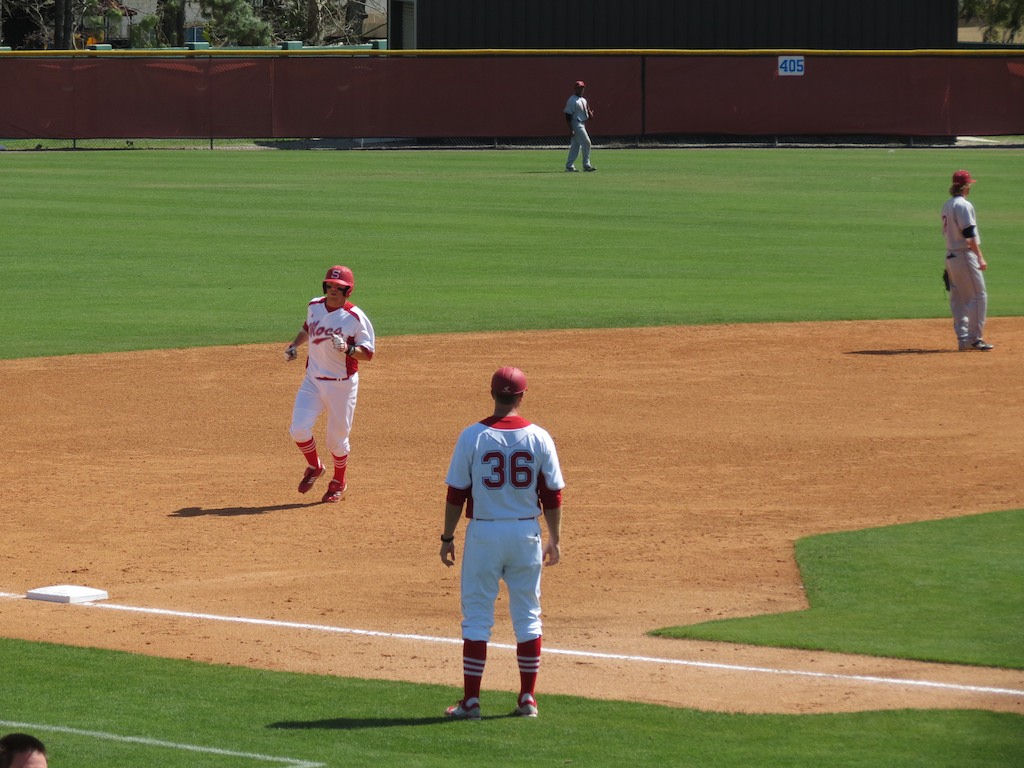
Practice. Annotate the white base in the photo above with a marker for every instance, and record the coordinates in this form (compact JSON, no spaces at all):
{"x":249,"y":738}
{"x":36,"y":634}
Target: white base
{"x":66,"y":593}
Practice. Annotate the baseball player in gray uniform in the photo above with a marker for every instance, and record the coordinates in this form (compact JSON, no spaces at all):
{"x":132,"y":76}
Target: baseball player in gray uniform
{"x":577,"y":112}
{"x":505,"y":472}
{"x":968,"y":299}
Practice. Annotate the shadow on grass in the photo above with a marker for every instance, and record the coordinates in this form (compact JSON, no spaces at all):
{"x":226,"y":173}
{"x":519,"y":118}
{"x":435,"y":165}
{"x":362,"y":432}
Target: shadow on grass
{"x":236,"y":511}
{"x":356,"y":723}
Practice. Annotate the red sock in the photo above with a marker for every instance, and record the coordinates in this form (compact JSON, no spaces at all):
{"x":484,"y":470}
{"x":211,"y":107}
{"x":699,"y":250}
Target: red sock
{"x":340,"y":464}
{"x":308,"y":449}
{"x":528,"y":655}
{"x":474,"y":656}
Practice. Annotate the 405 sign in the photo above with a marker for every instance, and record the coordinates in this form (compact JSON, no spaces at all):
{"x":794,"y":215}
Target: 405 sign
{"x":791,"y":66}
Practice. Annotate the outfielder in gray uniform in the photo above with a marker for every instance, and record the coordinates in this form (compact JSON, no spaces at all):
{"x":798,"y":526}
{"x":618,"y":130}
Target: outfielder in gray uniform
{"x":577,"y":112}
{"x":968,"y":299}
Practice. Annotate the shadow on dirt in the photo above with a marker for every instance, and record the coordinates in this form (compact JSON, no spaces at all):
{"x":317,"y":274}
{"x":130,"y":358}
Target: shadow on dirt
{"x":236,"y":511}
{"x":900,"y":351}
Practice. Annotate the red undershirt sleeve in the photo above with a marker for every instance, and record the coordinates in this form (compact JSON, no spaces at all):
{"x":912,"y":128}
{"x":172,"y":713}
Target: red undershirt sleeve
{"x":457,"y":496}
{"x":549,"y":499}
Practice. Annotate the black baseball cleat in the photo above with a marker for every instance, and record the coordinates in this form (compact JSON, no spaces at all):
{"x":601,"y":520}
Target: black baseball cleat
{"x":979,"y":345}
{"x":589,"y":168}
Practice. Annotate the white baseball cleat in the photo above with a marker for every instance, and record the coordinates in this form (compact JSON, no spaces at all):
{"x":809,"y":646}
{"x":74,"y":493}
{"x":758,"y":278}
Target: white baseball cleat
{"x":464,"y":710}
{"x":527,"y":706}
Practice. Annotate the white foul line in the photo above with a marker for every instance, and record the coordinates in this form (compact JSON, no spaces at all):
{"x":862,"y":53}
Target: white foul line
{"x":559,"y":651}
{"x":287,"y":762}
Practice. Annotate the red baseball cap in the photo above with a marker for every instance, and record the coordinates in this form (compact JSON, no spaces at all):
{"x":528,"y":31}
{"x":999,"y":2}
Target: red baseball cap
{"x":508,"y":381}
{"x":963,"y":177}
{"x":580,"y":84}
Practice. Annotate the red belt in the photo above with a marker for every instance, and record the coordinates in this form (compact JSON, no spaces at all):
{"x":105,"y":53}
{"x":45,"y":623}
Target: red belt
{"x":502,"y":519}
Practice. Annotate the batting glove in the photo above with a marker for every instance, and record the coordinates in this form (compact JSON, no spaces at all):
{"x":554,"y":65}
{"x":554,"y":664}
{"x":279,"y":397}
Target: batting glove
{"x":290,"y":353}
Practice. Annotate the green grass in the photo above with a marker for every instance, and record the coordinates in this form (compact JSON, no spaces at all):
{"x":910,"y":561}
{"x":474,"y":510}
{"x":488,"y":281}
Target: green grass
{"x":134,"y":250}
{"x":947,"y":590}
{"x":347,"y":722}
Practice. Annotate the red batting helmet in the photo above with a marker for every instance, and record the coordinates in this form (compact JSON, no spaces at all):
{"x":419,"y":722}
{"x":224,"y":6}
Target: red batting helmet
{"x":508,"y":381}
{"x":339,"y":275}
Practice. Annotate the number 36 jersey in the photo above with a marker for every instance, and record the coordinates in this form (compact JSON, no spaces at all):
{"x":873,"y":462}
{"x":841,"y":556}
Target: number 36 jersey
{"x":507,"y":465}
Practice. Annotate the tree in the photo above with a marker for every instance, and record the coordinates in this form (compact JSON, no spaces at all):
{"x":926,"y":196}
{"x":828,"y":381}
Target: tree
{"x":55,"y":21}
{"x":233,"y":22}
{"x":171,"y":22}
{"x":315,"y":21}
{"x":1003,"y":20}
{"x":58,"y":23}
{"x":40,"y":15}
{"x":355,"y":14}
{"x":63,"y":24}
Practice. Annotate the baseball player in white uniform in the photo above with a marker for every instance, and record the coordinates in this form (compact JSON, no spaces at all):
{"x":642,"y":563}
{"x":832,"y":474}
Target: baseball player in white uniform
{"x":577,"y":112}
{"x":505,"y":472}
{"x":968,"y":299}
{"x":340,"y":336}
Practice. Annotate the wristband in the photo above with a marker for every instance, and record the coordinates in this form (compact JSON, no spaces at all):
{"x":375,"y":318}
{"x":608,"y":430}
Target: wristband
{"x":449,"y":540}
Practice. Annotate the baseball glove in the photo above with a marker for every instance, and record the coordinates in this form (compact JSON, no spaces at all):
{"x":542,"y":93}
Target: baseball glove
{"x":945,"y":278}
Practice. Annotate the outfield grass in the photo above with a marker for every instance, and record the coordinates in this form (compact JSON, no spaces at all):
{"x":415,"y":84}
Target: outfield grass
{"x":133,"y":250}
{"x":946,"y":590}
{"x":347,"y":722}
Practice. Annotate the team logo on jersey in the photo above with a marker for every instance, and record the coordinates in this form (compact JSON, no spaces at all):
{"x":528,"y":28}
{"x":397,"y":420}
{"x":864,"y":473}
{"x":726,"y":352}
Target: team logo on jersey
{"x":319,"y":334}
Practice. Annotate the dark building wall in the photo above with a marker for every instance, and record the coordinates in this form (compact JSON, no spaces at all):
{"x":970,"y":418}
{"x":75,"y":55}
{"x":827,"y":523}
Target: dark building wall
{"x":692,"y":24}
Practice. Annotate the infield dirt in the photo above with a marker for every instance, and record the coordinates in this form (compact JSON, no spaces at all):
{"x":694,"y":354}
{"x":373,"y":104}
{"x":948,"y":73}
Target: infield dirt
{"x":694,"y":458}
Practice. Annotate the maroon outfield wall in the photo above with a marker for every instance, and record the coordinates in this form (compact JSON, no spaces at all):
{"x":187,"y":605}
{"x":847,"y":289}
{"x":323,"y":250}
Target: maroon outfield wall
{"x":900,"y":95}
{"x":271,"y":94}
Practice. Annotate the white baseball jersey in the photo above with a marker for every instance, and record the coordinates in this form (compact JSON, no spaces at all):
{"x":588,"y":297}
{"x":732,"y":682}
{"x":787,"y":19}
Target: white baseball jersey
{"x":505,"y":463}
{"x":349,"y":322}
{"x":957,"y":216}
{"x":578,"y":109}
